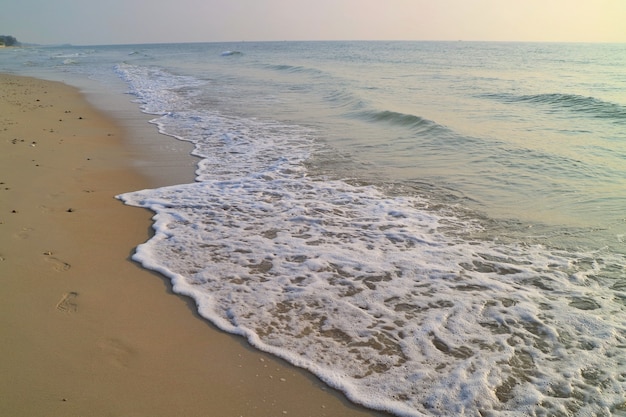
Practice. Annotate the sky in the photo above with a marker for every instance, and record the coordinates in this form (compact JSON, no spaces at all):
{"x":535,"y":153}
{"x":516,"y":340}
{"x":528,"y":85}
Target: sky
{"x":88,"y":22}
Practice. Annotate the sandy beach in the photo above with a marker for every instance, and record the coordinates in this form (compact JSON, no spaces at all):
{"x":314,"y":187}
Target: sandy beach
{"x":84,"y":330}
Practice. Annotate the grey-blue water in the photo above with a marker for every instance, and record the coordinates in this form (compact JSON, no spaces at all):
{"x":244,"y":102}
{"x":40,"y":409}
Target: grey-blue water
{"x":435,"y":228}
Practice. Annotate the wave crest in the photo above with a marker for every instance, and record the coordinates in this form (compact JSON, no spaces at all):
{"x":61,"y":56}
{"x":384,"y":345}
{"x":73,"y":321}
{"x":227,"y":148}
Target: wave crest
{"x":592,"y":106}
{"x":410,"y":121}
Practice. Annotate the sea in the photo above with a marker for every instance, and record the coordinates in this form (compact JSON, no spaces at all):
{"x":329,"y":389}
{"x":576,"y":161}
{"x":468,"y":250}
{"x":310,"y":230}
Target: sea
{"x":433,"y":228}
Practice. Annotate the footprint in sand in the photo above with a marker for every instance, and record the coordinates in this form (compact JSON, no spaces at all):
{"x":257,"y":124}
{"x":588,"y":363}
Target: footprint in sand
{"x":68,"y":302}
{"x":117,"y":352}
{"x":25,"y":233}
{"x":57,"y":264}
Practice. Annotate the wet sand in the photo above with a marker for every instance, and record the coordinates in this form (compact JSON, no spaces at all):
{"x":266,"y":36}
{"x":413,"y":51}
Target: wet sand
{"x":84,"y":331}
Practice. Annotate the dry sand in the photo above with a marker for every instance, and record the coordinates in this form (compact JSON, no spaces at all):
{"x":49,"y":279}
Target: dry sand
{"x":84,"y":331}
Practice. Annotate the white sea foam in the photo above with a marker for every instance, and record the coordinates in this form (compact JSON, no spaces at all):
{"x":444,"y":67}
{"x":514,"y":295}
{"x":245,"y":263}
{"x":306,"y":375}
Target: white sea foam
{"x":395,"y":304}
{"x":365,"y":291}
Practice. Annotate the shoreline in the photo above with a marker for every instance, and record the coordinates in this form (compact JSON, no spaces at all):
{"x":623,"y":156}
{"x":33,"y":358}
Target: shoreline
{"x":85,"y":330}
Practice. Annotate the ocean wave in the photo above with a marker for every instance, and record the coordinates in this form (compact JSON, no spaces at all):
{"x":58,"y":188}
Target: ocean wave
{"x":344,"y":99}
{"x":154,"y":87}
{"x":401,"y":119}
{"x":295,"y":69}
{"x":383,"y":301}
{"x":231,"y":53}
{"x":591,"y":106}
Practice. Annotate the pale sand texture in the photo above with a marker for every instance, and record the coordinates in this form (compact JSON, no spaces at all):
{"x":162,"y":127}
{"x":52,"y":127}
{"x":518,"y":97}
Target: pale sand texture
{"x":84,"y":331}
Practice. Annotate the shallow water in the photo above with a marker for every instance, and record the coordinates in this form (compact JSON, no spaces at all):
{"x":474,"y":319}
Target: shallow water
{"x":433,"y":228}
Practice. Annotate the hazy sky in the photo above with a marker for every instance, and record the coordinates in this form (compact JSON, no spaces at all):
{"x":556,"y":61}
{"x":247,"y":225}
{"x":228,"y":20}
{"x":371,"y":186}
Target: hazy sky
{"x":146,"y":21}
